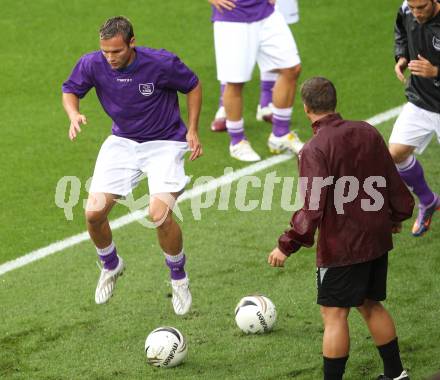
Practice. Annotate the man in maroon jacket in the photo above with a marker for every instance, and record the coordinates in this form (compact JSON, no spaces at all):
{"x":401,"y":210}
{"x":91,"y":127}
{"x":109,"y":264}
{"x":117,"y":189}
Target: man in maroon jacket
{"x":355,"y":196}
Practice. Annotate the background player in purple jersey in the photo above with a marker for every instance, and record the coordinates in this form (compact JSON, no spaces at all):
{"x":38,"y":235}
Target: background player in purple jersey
{"x":246,"y":32}
{"x":137,"y":87}
{"x":417,"y":47}
{"x":289,"y":10}
{"x":353,"y":242}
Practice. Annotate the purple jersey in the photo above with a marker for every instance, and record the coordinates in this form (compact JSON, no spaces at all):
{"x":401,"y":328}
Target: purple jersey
{"x":142,"y":99}
{"x":245,"y":11}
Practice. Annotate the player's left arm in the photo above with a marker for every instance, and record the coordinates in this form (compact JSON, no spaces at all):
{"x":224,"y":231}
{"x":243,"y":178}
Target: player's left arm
{"x":194,"y":105}
{"x":423,"y":68}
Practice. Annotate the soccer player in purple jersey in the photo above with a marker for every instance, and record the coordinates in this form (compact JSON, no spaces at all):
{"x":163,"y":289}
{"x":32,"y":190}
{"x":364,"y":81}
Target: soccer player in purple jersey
{"x":137,"y":87}
{"x":417,"y":47}
{"x":353,"y":240}
{"x":290,"y":12}
{"x":246,"y":32}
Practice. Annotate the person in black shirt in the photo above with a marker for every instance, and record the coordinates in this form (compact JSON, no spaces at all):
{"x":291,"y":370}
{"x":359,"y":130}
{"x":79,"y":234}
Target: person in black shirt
{"x":417,"y":48}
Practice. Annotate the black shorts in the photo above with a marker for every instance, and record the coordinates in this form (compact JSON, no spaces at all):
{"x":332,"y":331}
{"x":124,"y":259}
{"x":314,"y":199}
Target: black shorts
{"x":351,"y":285}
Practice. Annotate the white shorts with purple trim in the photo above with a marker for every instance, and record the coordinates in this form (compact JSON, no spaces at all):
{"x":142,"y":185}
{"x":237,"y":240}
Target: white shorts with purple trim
{"x":123,"y":163}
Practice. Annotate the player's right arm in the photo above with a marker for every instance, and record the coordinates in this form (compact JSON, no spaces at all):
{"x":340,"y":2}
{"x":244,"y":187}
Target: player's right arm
{"x":71,"y":106}
{"x":75,"y":88}
{"x":400,"y":45}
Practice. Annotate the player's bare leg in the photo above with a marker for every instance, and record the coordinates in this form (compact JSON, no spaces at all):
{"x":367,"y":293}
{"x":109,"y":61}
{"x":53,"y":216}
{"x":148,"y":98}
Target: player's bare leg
{"x":169,"y":233}
{"x":383,"y":331}
{"x":412,"y":174}
{"x":98,"y":207}
{"x":239,"y":147}
{"x":284,"y":90}
{"x":283,"y":98}
{"x":170,"y":240}
{"x":336,"y":340}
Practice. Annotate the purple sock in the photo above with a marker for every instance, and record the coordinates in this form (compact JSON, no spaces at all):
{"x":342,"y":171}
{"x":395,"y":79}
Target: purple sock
{"x":266,"y":87}
{"x":236,"y":131}
{"x":222,"y":91}
{"x":414,"y":177}
{"x":281,"y":121}
{"x":109,"y":260}
{"x":177,"y":268}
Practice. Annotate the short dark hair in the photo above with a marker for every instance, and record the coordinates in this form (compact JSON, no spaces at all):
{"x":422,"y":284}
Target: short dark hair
{"x":319,"y":95}
{"x":117,"y":25}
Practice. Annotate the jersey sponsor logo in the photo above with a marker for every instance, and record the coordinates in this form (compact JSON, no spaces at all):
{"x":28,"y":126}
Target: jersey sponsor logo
{"x":436,"y":43}
{"x":146,"y":89}
{"x":124,"y":80}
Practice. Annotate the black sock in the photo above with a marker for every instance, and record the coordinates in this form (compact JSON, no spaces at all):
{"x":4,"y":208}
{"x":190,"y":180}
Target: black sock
{"x":334,"y":368}
{"x":392,"y":365}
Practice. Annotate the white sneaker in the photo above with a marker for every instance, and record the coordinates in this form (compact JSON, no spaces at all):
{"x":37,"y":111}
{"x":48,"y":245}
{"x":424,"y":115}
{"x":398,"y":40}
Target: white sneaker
{"x":243,"y":152}
{"x":403,"y":376}
{"x":289,"y":142}
{"x":107,"y":281}
{"x":221,"y":113}
{"x":264,"y":113}
{"x":219,"y":122}
{"x":182,"y":298}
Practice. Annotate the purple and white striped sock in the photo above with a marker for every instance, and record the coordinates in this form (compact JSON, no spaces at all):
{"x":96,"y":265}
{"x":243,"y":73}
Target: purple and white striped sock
{"x":267,"y":81}
{"x":412,"y":174}
{"x":236,"y":131}
{"x":108,"y":256}
{"x":176,"y":264}
{"x":281,"y":121}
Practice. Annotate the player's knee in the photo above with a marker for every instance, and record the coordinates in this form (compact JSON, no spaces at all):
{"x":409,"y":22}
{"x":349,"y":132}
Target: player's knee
{"x":160,"y":215}
{"x":291,"y":73}
{"x":95,"y":217}
{"x":331,"y":315}
{"x":296,"y":71}
{"x":369,"y":307}
{"x":399,"y":153}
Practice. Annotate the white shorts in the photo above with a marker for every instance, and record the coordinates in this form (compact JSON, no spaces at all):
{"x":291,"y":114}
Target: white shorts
{"x":289,"y":9}
{"x":415,"y":127}
{"x":122,"y":163}
{"x":238,"y":46}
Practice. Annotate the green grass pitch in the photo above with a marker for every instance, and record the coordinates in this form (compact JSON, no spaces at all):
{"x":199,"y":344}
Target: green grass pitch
{"x":50,"y":327}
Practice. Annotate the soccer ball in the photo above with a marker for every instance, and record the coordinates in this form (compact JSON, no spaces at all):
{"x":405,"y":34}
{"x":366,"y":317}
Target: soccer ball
{"x":165,"y":347}
{"x":255,"y":314}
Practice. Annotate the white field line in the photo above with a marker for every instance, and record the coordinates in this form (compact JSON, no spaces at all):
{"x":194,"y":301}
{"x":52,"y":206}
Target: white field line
{"x":190,"y":194}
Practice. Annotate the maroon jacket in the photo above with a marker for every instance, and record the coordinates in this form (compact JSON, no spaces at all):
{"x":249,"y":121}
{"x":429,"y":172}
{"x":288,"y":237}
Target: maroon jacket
{"x":352,"y":229}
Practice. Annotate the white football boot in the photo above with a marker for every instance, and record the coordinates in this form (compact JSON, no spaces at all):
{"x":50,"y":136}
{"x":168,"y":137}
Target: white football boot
{"x":290,"y":142}
{"x":107,"y":281}
{"x":182,"y":298}
{"x":219,"y":122}
{"x":403,"y":376}
{"x":264,"y":113}
{"x":243,"y":152}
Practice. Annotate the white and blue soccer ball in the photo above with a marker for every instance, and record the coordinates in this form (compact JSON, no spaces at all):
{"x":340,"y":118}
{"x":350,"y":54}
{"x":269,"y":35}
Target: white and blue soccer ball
{"x":165,"y":347}
{"x":255,"y":314}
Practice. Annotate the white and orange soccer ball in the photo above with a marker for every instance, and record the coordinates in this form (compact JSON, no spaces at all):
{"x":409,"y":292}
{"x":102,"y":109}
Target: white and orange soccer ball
{"x":255,"y":314}
{"x":165,"y":347}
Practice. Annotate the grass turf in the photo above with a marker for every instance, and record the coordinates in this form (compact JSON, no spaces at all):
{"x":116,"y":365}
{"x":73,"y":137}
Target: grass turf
{"x":49,"y":325}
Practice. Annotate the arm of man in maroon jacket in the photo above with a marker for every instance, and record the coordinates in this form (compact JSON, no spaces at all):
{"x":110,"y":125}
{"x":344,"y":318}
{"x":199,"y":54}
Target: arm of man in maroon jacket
{"x":313,"y":169}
